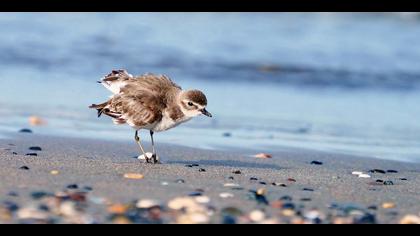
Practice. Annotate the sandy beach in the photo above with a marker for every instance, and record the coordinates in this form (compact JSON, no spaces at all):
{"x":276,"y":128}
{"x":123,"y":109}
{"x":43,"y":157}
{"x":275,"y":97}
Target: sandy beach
{"x":83,"y":181}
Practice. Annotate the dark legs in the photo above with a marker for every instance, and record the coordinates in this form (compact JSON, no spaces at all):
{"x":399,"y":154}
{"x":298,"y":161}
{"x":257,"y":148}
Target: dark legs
{"x":154,"y":158}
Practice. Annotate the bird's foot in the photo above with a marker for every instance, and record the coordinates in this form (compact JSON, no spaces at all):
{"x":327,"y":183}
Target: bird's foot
{"x":149,"y":158}
{"x":155,"y":159}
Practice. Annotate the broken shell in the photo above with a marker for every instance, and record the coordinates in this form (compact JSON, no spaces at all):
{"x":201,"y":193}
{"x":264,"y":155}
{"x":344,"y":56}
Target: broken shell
{"x":117,"y":209}
{"x":36,"y":121}
{"x":133,"y":176}
{"x":202,"y":199}
{"x":179,"y":203}
{"x":410,"y":219}
{"x":261,"y":191}
{"x":231,"y":185}
{"x":263,"y":155}
{"x":388,"y":205}
{"x":257,"y":215}
{"x":31,"y":213}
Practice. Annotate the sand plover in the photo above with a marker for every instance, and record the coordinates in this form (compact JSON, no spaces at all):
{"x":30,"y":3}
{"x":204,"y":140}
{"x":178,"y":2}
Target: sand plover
{"x":151,"y":102}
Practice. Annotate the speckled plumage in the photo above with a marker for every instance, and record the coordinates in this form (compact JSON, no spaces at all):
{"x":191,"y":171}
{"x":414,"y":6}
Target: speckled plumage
{"x":148,"y":101}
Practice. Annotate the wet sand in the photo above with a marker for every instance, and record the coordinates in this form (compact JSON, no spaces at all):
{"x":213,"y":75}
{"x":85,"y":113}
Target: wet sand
{"x":98,"y":167}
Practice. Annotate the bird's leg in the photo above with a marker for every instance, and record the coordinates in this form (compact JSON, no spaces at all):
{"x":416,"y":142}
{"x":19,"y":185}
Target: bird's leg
{"x":137,"y":138}
{"x":154,"y":156}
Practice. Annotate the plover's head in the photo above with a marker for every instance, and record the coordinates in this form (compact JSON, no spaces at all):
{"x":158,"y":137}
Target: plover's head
{"x":193,"y":103}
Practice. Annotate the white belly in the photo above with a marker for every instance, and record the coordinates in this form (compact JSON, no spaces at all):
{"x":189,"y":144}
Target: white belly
{"x":167,"y":123}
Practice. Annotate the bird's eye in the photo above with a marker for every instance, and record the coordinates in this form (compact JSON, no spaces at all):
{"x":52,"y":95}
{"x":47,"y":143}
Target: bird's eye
{"x":190,"y":104}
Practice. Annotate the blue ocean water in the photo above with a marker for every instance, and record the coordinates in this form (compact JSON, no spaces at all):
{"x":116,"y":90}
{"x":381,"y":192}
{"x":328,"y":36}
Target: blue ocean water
{"x":341,"y":82}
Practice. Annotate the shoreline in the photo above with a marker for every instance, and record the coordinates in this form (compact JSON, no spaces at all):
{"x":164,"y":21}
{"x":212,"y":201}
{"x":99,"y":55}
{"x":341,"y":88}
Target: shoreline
{"x":100,"y":166}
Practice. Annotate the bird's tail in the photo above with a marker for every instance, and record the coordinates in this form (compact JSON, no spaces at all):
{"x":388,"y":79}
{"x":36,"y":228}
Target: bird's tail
{"x":99,"y":107}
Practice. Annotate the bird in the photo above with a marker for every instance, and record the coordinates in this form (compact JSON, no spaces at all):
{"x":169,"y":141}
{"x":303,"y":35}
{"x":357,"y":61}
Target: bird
{"x":151,"y":102}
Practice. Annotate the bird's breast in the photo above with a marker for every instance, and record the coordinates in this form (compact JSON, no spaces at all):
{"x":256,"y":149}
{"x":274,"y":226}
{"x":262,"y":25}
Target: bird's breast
{"x":167,"y":123}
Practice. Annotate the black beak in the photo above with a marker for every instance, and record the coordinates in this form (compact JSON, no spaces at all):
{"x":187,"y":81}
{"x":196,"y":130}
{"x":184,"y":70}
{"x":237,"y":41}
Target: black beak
{"x":206,"y":113}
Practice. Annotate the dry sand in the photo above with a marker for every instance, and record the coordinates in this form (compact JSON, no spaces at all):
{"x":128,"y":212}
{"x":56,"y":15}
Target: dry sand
{"x":102,"y":164}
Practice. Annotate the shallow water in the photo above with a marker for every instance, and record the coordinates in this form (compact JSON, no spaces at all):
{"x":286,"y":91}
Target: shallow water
{"x":346,"y":83}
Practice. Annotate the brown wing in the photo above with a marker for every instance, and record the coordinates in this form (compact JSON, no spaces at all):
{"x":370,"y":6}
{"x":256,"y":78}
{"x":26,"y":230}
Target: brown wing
{"x":139,"y":109}
{"x":157,"y":84}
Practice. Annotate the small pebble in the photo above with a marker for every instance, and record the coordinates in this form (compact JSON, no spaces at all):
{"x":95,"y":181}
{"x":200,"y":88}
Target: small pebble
{"x":261,"y":191}
{"x":35,"y":148}
{"x":25,"y":131}
{"x":305,"y":199}
{"x":289,"y":213}
{"x":403,"y":179}
{"x":286,"y":198}
{"x":182,"y":202}
{"x":392,"y":213}
{"x":147,"y":203}
{"x":259,"y":196}
{"x":231,"y":178}
{"x":190,"y":166}
{"x":308,"y":189}
{"x":226,"y":195}
{"x":377,"y":171}
{"x":44,"y":207}
{"x":288,"y":205}
{"x":374,"y":208}
{"x":263,"y":183}
{"x":11,"y":206}
{"x":180,"y":181}
{"x":14,"y":153}
{"x":237,"y":172}
{"x":195,"y":194}
{"x":364,"y":176}
{"x":24,"y":168}
{"x":32,"y":154}
{"x":87,"y":188}
{"x":227,"y":134}
{"x":202,"y":170}
{"x":253,"y":179}
{"x":291,"y":180}
{"x":388,"y":182}
{"x":39,"y":195}
{"x":316,"y":163}
{"x":237,"y":188}
{"x":279,"y":184}
{"x":365,"y":219}
{"x":13,"y":194}
{"x":357,"y":173}
{"x":231,"y":185}
{"x":54,"y":172}
{"x":72,"y":186}
{"x":164,"y":183}
{"x":379,"y":181}
{"x":392,"y":171}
